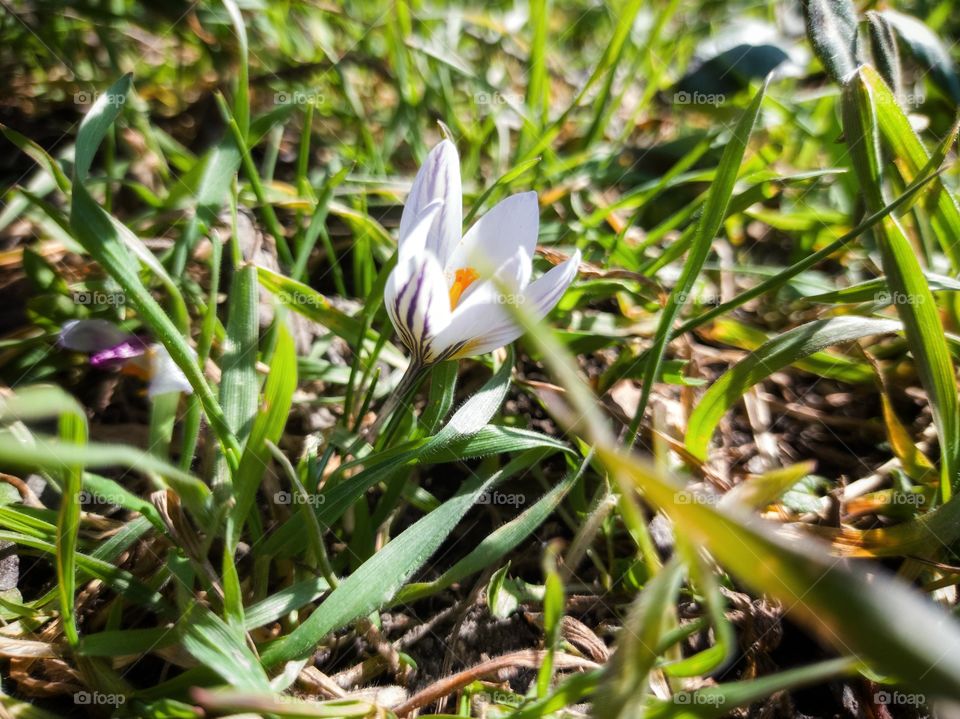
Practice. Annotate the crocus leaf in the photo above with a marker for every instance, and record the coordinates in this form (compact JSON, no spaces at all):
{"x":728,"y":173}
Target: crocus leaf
{"x":382,"y":576}
{"x":832,"y":30}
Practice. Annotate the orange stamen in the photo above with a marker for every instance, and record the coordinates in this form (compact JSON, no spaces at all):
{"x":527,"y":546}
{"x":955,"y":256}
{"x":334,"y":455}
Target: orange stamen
{"x":132,"y":369}
{"x":139,"y":367}
{"x":462,"y":279}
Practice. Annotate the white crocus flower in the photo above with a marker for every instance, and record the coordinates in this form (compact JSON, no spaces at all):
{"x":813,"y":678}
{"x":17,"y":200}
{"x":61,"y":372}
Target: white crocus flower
{"x":448,"y":295}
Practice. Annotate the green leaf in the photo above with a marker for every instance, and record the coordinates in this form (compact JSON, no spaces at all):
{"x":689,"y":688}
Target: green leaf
{"x":37,"y":402}
{"x":917,"y":308}
{"x":52,"y":455}
{"x":282,"y":706}
{"x":38,"y":155}
{"x":832,"y":365}
{"x":505,"y":179}
{"x":283,"y":602}
{"x":883,"y":44}
{"x":379,"y":578}
{"x":123,"y":642}
{"x":305,"y":300}
{"x":119,"y":580}
{"x":220,"y":647}
{"x":832,"y":31}
{"x":928,"y":175}
{"x":554,"y":602}
{"x":493,"y":547}
{"x":711,"y":659}
{"x":103,"y":238}
{"x":474,"y":414}
{"x":911,"y":157}
{"x":267,"y":426}
{"x":877,"y":290}
{"x":488,"y":441}
{"x":217,"y":172}
{"x":239,"y":386}
{"x":242,"y":102}
{"x":443,"y":385}
{"x":757,"y":491}
{"x":888,"y":625}
{"x":721,"y":700}
{"x":928,"y":49}
{"x":623,"y":688}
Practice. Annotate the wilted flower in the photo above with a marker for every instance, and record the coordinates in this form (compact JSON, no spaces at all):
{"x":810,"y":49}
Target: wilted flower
{"x":109,"y":346}
{"x":448,"y":296}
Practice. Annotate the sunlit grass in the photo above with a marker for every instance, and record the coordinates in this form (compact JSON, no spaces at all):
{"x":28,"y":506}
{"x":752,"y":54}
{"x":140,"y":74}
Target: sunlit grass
{"x":668,"y":498}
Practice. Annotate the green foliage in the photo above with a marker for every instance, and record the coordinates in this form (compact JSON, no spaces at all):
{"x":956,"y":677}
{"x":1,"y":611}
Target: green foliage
{"x":748,"y":393}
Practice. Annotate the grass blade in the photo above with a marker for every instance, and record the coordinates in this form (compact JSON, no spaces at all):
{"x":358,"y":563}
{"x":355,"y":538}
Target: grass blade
{"x":917,"y":308}
{"x":714,"y":210}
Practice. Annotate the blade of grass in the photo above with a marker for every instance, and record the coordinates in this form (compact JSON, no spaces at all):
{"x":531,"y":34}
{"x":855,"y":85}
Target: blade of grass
{"x":917,"y":310}
{"x":714,"y":210}
{"x":624,"y":685}
{"x":100,"y":236}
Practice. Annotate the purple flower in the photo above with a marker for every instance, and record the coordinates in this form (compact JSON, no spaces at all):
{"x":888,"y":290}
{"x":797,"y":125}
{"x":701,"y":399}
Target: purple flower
{"x":109,"y":346}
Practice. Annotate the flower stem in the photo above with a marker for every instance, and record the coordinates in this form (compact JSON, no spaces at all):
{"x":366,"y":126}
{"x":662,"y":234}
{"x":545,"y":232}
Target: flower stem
{"x":399,"y":397}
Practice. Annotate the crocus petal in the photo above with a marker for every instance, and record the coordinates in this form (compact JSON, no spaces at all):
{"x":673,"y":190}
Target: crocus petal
{"x":91,"y":336}
{"x":495,"y":237}
{"x":545,"y":292}
{"x":415,"y":243}
{"x":437,"y":179}
{"x":508,"y":281}
{"x":418,"y":302}
{"x":410,"y":274}
{"x":478,"y":314}
{"x":165,"y":375}
{"x":494,"y":326}
{"x":118,"y":354}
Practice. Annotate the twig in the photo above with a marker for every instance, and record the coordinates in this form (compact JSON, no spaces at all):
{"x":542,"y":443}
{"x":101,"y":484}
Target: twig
{"x":527,"y":658}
